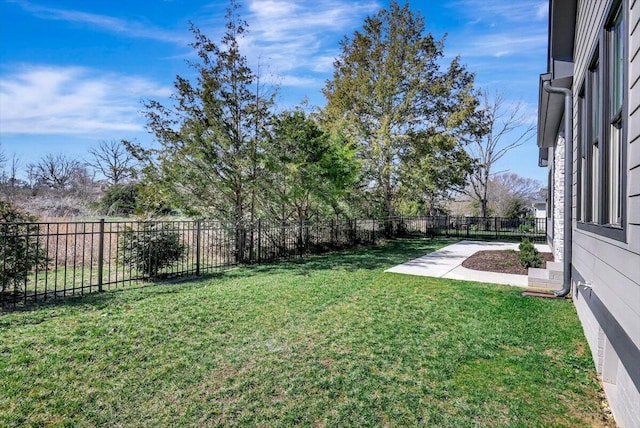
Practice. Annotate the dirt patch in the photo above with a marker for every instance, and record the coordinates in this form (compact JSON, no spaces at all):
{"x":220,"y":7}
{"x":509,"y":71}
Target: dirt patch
{"x":501,"y":261}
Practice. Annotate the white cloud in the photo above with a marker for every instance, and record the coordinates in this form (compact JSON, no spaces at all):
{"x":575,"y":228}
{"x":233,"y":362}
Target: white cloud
{"x":503,"y":44}
{"x":324,"y":63}
{"x":297,"y":35}
{"x":301,"y":81}
{"x":500,"y":11}
{"x":273,"y":8}
{"x":130,"y":28}
{"x":72,"y":100}
{"x":278,"y":18}
{"x":499,"y":29}
{"x":543,"y":11}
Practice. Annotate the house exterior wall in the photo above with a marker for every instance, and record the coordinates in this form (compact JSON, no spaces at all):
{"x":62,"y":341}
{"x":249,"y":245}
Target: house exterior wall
{"x":609,"y":307}
{"x":540,"y":210}
{"x":633,"y":154}
{"x":557,"y":239}
{"x":550,"y":197}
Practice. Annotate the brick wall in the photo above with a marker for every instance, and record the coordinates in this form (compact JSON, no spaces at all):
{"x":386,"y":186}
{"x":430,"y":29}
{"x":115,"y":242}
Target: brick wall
{"x":558,"y":200}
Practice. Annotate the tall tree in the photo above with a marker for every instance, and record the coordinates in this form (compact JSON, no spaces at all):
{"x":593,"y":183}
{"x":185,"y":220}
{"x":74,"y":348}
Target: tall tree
{"x":113,"y":161}
{"x":389,"y":86}
{"x":308,"y":169}
{"x":9,"y":177}
{"x":433,"y":169}
{"x":208,"y":137}
{"x":54,"y":171}
{"x":505,"y":128}
{"x":512,"y":195}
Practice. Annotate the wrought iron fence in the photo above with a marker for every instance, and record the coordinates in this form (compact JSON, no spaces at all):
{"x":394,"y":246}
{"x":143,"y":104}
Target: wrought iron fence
{"x":44,"y":261}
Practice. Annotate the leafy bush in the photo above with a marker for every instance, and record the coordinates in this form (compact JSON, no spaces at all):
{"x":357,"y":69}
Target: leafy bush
{"x":119,"y":199}
{"x":526,"y":228}
{"x":516,"y":207}
{"x":529,"y":256}
{"x":151,"y":248}
{"x":20,"y":251}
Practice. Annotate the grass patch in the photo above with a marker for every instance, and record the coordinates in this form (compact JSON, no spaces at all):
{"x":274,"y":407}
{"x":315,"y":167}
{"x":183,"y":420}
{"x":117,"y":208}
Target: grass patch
{"x":329,"y":340}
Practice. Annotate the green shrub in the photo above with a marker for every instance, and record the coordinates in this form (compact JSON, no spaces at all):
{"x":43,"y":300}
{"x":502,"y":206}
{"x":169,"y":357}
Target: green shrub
{"x":529,"y":256}
{"x":119,"y":199}
{"x":526,"y":228}
{"x":20,"y":251}
{"x":151,"y":248}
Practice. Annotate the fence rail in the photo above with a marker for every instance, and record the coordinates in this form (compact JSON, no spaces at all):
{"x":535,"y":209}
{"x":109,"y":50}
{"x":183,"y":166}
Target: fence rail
{"x":77,"y":258}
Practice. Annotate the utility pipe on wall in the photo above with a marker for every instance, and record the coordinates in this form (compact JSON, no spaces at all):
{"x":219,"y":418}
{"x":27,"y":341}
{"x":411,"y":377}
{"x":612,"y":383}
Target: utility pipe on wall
{"x":568,"y":180}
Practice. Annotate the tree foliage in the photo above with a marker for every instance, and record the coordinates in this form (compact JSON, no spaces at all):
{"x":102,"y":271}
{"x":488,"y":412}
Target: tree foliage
{"x":119,"y":199}
{"x":433,"y":168}
{"x":209,"y":136}
{"x":390,"y":92}
{"x":151,"y":249}
{"x":306,"y":168}
{"x":20,"y":250}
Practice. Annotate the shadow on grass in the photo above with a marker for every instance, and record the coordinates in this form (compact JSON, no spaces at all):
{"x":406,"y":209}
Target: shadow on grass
{"x":383,"y":256}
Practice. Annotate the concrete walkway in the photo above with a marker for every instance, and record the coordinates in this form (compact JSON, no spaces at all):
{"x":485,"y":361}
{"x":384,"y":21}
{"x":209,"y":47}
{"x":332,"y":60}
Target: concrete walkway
{"x":447,"y":263}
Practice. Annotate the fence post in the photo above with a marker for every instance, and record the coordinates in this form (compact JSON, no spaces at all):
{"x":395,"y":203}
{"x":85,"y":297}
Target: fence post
{"x":198,"y":247}
{"x":100,"y":254}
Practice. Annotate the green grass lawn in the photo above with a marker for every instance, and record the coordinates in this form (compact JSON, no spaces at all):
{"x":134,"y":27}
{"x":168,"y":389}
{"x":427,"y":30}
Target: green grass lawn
{"x":330,"y":340}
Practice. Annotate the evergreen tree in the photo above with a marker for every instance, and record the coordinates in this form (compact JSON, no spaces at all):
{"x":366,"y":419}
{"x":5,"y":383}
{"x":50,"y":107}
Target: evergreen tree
{"x":207,"y":162}
{"x":308,"y":170}
{"x":390,"y":90}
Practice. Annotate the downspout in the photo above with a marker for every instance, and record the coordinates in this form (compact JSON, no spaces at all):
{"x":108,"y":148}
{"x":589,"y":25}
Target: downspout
{"x":568,"y":181}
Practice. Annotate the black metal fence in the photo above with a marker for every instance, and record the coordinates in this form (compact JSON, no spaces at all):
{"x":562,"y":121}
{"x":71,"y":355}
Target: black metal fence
{"x":44,"y":261}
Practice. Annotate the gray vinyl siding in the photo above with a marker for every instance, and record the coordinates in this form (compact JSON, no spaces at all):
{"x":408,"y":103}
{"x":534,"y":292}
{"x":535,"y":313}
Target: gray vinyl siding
{"x":613,"y":267}
{"x":589,"y":19}
{"x":610,"y":276}
{"x":606,"y":271}
{"x":591,"y":15}
{"x":633,"y":154}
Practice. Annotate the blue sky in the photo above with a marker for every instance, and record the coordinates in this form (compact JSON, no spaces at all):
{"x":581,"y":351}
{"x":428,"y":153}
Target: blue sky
{"x":74,"y":73}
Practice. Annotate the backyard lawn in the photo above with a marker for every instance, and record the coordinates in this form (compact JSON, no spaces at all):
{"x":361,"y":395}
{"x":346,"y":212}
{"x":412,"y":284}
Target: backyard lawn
{"x":330,"y":340}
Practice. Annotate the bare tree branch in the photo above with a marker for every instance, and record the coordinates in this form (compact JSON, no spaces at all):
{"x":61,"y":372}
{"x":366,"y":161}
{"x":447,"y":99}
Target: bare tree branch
{"x":506,"y":128}
{"x":54,"y":171}
{"x":3,"y":158}
{"x":113,"y":161}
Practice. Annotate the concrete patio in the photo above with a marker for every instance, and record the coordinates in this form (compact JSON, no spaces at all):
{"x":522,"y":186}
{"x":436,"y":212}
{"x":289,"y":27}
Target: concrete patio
{"x":447,"y":263}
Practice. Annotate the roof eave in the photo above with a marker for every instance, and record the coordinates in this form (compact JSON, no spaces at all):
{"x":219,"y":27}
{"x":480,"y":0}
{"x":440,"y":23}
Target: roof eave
{"x":562,"y":22}
{"x":550,"y":110}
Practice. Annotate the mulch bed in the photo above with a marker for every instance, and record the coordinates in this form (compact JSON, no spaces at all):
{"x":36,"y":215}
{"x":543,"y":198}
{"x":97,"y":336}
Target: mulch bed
{"x":501,"y":261}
